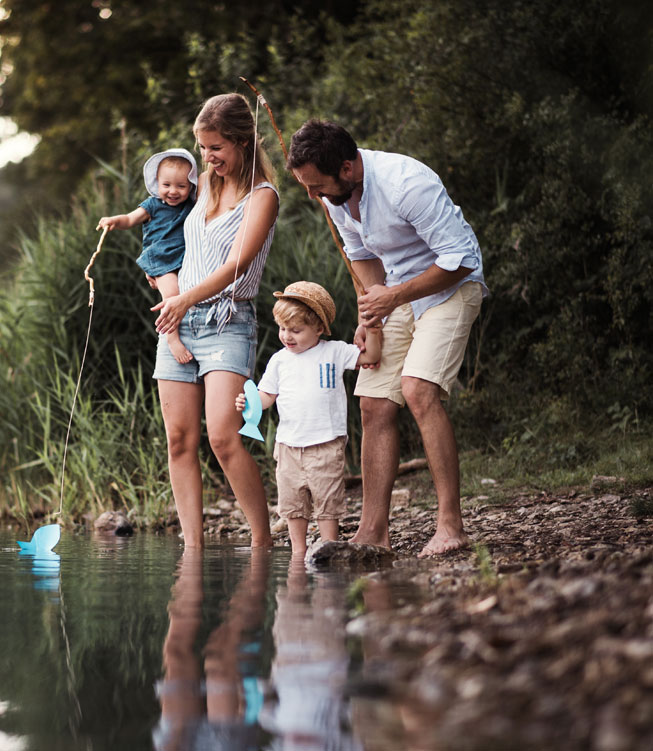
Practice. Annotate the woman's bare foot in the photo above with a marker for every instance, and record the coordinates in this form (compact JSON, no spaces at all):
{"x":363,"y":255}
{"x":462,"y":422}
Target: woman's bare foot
{"x":444,"y":541}
{"x":262,"y":542}
{"x":179,"y":351}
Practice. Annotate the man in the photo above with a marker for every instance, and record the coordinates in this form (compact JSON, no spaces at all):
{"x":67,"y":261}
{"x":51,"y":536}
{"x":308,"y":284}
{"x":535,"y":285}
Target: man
{"x":421,"y":266}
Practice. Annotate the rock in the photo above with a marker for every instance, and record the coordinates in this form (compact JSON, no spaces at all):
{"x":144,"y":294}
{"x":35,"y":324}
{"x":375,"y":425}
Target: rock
{"x":400,"y":497}
{"x":279,"y":526}
{"x":338,"y":554}
{"x":115,"y":522}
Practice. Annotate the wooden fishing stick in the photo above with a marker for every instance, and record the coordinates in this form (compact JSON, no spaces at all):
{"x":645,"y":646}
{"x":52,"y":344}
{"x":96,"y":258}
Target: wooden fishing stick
{"x":358,"y":285}
{"x":89,"y":279}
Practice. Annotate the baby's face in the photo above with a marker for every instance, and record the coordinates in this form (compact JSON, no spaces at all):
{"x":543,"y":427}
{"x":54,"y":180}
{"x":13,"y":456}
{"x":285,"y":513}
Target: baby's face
{"x":173,"y":182}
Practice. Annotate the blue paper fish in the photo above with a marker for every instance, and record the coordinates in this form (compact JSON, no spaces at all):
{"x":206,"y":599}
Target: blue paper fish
{"x":43,"y":540}
{"x":252,"y":412}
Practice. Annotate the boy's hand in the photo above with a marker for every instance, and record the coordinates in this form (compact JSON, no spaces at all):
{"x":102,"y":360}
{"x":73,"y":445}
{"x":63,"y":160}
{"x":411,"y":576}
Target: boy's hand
{"x":359,"y":340}
{"x":240,"y":402}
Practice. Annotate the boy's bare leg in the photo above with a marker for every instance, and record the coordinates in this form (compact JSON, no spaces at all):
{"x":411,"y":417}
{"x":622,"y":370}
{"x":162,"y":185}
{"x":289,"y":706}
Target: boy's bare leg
{"x":168,"y":287}
{"x":297,"y":529}
{"x":423,"y":400}
{"x":328,"y":529}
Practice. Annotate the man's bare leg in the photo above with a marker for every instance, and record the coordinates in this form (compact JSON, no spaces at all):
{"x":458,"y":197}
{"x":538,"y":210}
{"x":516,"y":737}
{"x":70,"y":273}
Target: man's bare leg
{"x":379,"y":462}
{"x":423,"y":400}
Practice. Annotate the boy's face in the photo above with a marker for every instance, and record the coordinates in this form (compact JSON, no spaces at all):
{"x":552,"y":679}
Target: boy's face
{"x":298,"y":337}
{"x":174,"y":185}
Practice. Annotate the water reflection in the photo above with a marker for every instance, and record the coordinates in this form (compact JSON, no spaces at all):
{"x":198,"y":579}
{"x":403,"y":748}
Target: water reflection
{"x":304,"y":704}
{"x":208,"y":703}
{"x":45,"y":568}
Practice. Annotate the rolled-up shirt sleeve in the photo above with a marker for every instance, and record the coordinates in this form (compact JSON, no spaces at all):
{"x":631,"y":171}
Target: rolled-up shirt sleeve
{"x":423,"y":202}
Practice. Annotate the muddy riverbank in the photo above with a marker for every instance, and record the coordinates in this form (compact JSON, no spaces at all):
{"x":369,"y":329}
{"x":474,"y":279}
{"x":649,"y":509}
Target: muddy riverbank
{"x":538,"y":636}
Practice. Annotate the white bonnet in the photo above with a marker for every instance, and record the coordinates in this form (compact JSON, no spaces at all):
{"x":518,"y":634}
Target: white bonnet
{"x":151,"y":167}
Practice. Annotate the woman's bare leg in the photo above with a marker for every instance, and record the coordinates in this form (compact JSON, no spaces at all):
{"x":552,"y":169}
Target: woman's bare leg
{"x":168,"y":286}
{"x":223,"y":423}
{"x":181,"y":405}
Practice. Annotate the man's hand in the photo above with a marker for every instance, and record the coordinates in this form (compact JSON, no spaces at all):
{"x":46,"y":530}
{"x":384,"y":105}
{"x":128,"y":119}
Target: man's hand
{"x":377,"y":303}
{"x":241,"y":401}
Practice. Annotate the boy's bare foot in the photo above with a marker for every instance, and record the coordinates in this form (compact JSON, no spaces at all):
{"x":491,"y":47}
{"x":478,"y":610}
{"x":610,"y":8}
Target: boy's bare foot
{"x":444,"y":541}
{"x":179,"y":351}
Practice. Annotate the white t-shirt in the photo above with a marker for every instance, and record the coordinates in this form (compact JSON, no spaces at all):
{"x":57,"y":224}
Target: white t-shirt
{"x":311,"y":396}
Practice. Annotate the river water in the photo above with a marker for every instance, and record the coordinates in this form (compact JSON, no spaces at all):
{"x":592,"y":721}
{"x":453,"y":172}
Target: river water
{"x":130,"y":643}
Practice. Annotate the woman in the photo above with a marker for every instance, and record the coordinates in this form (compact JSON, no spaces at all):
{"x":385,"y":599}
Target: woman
{"x":228,"y":236}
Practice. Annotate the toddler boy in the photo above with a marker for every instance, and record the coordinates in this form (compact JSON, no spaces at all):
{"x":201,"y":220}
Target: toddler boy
{"x":305,"y":379}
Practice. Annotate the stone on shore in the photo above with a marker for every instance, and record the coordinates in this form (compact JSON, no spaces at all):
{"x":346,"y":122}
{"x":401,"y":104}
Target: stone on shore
{"x":114,"y":522}
{"x":340,"y":554}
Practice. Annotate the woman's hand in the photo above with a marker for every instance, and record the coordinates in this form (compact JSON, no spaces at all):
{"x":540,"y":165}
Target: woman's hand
{"x":241,"y":401}
{"x":173,"y":309}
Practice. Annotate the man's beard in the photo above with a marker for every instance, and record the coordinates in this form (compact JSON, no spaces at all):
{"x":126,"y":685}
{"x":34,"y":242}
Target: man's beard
{"x":339,"y":198}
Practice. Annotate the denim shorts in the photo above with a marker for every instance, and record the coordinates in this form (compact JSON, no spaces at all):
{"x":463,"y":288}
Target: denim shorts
{"x":234,"y":349}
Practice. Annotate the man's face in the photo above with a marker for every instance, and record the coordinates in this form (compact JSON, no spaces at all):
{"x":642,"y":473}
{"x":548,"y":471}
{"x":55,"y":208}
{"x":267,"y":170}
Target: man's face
{"x":336,"y":190}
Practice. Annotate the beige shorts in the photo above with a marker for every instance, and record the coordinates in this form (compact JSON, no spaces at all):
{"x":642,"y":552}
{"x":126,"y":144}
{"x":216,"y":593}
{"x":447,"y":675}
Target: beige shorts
{"x":311,"y":479}
{"x":431,"y":348}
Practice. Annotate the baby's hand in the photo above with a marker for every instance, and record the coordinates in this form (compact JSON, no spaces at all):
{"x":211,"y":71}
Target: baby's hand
{"x":241,"y":401}
{"x":107,"y":221}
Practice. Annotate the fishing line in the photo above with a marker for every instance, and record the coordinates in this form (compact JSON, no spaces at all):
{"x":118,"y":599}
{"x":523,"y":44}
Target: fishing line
{"x":247,"y":208}
{"x":91,"y":301}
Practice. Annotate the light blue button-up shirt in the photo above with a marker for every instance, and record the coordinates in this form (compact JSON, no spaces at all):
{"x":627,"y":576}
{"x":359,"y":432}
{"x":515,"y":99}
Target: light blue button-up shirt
{"x":409,"y":222}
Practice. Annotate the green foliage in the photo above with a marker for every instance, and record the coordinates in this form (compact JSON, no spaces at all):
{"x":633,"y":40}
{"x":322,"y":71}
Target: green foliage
{"x":537,"y":117}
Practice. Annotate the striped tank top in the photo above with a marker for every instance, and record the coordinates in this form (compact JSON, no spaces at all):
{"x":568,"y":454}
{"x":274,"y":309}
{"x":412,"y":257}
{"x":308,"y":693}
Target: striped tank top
{"x":207,"y":246}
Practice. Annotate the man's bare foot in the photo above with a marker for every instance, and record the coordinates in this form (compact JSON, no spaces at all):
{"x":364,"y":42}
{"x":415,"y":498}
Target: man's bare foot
{"x":444,"y":541}
{"x":380,"y":540}
{"x":179,"y":351}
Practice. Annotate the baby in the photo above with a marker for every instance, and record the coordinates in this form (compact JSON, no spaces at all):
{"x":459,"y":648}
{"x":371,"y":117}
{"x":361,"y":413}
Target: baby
{"x":171,"y":180}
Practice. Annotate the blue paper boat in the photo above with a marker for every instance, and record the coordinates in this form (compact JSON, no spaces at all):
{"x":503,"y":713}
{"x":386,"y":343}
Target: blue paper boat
{"x":252,"y":412}
{"x":43,"y":540}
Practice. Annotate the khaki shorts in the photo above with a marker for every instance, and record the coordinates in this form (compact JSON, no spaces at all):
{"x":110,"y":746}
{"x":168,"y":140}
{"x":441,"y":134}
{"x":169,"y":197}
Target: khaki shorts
{"x":311,"y":478}
{"x":431,"y":348}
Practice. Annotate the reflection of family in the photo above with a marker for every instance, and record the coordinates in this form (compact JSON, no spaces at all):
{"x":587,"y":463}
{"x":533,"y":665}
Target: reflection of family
{"x":420,"y":264}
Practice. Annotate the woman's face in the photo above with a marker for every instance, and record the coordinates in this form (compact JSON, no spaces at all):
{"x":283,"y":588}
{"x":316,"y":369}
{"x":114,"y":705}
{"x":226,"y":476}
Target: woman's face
{"x":225,"y":156}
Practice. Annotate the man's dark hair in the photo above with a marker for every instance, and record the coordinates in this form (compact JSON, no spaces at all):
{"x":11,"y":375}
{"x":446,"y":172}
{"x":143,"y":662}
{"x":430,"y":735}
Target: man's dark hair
{"x":324,"y":144}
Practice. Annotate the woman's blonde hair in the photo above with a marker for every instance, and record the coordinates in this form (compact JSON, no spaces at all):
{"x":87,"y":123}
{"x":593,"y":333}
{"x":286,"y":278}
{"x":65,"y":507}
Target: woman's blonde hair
{"x":230,"y":116}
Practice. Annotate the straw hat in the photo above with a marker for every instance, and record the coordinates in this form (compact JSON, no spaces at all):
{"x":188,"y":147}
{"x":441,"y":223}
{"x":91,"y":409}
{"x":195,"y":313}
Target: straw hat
{"x":151,"y":168}
{"x":313,"y":295}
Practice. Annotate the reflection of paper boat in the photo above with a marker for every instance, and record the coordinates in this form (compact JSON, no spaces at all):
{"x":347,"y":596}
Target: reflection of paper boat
{"x":252,"y":412}
{"x":43,"y":540}
{"x":45,"y":567}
